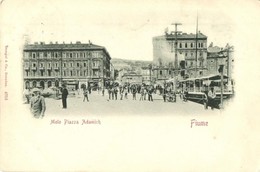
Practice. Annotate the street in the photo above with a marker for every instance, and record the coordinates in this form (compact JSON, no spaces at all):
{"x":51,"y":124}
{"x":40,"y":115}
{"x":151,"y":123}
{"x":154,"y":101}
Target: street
{"x":101,"y":106}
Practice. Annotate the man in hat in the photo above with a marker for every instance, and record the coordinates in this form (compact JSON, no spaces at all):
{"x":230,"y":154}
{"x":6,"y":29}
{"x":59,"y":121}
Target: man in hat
{"x":38,"y":106}
{"x":64,"y":95}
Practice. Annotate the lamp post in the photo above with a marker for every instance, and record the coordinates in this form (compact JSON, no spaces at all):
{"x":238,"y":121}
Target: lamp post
{"x":220,"y":70}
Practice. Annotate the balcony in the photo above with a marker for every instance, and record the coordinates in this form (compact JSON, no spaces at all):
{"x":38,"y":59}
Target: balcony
{"x":49,"y":68}
{"x":34,"y":68}
{"x":27,"y":68}
{"x":56,"y":68}
{"x":95,"y":67}
{"x":41,"y":68}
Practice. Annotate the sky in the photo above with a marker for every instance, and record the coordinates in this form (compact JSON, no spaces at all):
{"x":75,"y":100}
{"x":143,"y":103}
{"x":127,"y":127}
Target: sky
{"x":125,"y":28}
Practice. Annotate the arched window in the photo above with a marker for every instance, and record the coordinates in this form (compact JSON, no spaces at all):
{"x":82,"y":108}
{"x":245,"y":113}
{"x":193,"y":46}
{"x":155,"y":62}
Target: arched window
{"x":186,"y":45}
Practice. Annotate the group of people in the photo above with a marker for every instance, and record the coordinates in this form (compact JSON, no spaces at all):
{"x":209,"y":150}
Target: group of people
{"x":121,"y":92}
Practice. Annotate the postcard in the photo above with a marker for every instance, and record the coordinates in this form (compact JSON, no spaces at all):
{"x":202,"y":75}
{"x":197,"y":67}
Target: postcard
{"x":129,"y":85}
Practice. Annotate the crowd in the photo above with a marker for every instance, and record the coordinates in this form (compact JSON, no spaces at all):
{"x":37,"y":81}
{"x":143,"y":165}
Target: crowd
{"x":114,"y":91}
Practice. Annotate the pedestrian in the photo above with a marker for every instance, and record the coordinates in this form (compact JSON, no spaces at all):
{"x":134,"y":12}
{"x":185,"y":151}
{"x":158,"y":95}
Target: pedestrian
{"x":103,"y":91}
{"x":150,"y":93}
{"x":145,"y":93}
{"x":64,"y":94}
{"x":121,"y":94}
{"x":141,"y":93}
{"x":164,"y":93}
{"x":89,"y":89}
{"x":126,"y":91}
{"x":38,"y":106}
{"x":134,"y":92}
{"x":27,"y":95}
{"x":211,"y":98}
{"x":115,"y":92}
{"x":85,"y":94}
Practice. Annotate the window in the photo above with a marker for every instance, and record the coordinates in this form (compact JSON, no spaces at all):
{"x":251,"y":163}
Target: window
{"x":191,"y":45}
{"x":49,"y":64}
{"x":33,"y":55}
{"x":160,"y":72}
{"x":45,"y":54}
{"x":180,"y":45}
{"x":186,"y":45}
{"x":49,"y":73}
{"x":191,"y":63}
{"x":70,"y":55}
{"x":41,"y":72}
{"x":71,"y":64}
{"x":56,"y":55}
{"x":77,"y":64}
{"x":64,"y":73}
{"x":70,"y":73}
{"x":34,"y":64}
{"x":186,"y":54}
{"x":41,"y":65}
{"x":27,"y":73}
{"x":64,"y":64}
{"x":56,"y":64}
{"x":85,"y":64}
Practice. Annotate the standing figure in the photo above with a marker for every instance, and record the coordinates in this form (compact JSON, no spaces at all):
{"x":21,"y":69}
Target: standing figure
{"x":142,"y":93}
{"x":126,"y":91}
{"x":121,"y":94}
{"x":164,"y":93}
{"x":64,"y":95}
{"x":38,"y":106}
{"x":145,"y":93}
{"x":27,"y":95}
{"x":85,"y":94}
{"x":115,"y":92}
{"x":103,"y":91}
{"x":150,"y":93}
{"x":134,"y":92}
{"x":211,"y":98}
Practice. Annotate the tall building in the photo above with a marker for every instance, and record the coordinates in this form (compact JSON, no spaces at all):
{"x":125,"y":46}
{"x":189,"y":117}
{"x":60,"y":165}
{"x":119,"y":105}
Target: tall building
{"x":220,"y":56}
{"x":191,"y":58}
{"x":49,"y":65}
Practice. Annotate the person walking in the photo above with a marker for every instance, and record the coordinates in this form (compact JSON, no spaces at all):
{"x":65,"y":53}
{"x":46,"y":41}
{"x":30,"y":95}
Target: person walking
{"x":37,"y":105}
{"x":64,"y":94}
{"x":85,"y":94}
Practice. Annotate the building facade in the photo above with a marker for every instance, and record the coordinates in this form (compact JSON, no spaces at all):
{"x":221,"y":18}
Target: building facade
{"x":50,"y":65}
{"x":220,"y":56}
{"x":132,"y":78}
{"x":191,"y":51}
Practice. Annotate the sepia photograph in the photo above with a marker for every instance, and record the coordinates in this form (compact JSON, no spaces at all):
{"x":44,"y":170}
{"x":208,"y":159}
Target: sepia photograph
{"x":129,"y":86}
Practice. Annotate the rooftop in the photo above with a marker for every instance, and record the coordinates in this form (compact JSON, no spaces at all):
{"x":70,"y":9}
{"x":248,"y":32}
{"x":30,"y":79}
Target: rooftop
{"x":60,"y":46}
{"x":181,"y":36}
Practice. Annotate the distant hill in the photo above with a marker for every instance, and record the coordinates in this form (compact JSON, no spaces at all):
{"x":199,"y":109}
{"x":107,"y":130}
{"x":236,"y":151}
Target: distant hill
{"x":130,"y":64}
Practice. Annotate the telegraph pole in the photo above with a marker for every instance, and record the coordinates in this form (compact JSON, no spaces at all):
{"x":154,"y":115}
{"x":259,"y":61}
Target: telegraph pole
{"x":196,"y":45}
{"x":176,"y":46}
{"x":176,"y":55}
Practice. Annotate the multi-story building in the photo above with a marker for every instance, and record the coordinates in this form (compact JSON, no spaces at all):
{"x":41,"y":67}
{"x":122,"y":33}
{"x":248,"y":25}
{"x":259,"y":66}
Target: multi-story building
{"x":132,"y":78}
{"x":48,"y":65}
{"x":191,"y":58}
{"x":220,"y":56}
